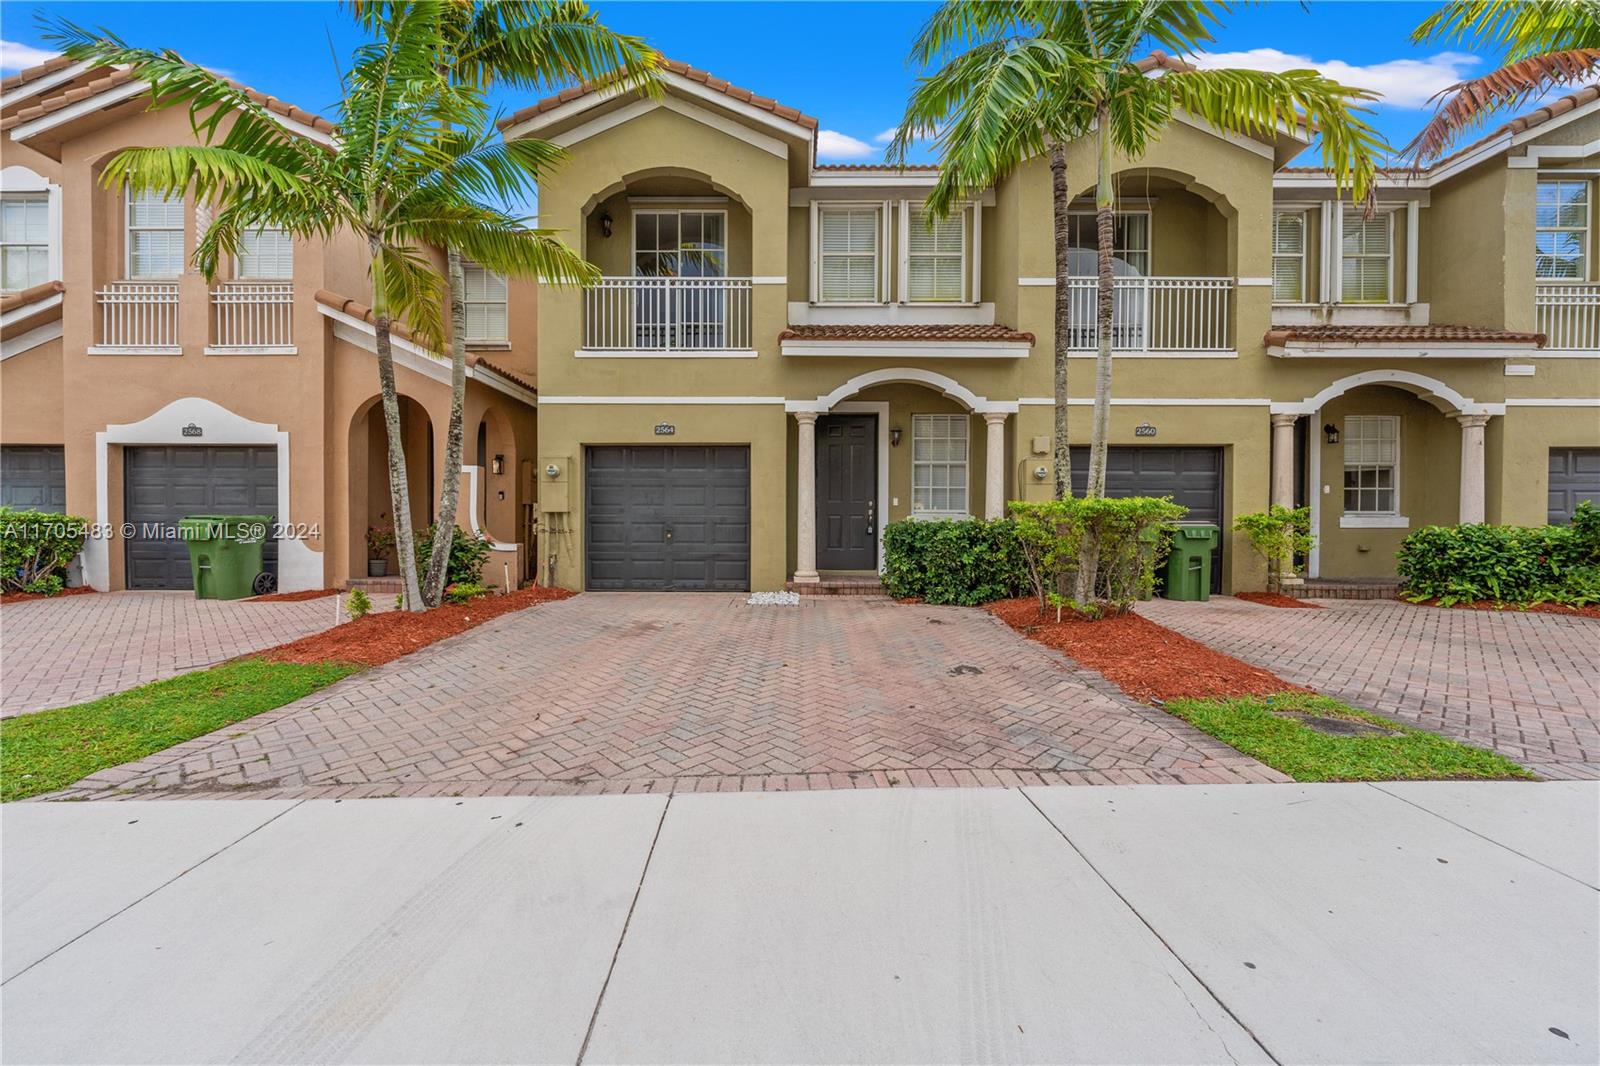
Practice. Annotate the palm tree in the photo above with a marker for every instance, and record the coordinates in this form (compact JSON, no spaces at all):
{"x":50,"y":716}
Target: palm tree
{"x":1025,"y":78}
{"x":1546,"y":44}
{"x":526,"y":44}
{"x":416,"y":164}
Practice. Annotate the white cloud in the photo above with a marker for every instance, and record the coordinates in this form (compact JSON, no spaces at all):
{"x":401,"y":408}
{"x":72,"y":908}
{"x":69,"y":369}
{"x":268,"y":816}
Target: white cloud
{"x":831,"y":144}
{"x":887,"y":135}
{"x":1400,"y":82}
{"x":14,"y":55}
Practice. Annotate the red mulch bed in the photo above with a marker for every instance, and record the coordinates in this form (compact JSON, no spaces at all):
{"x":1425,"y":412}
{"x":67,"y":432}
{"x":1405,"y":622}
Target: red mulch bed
{"x":20,"y":597}
{"x":295,"y":597}
{"x":381,"y":638}
{"x":1147,"y":661}
{"x":1274,"y":599}
{"x":1591,"y":611}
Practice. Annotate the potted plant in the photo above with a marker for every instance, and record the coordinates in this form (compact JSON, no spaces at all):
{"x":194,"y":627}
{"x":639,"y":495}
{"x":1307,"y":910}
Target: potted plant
{"x":380,"y":540}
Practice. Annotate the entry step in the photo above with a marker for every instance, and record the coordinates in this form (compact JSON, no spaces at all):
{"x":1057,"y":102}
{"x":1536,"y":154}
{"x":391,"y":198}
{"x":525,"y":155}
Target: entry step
{"x":1346,"y":589}
{"x":838,"y":586}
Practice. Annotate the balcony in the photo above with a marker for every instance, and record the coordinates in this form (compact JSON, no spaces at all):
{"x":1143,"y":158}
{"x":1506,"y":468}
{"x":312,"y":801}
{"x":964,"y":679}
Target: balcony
{"x":252,"y":318}
{"x":1568,"y":314}
{"x":137,"y":318}
{"x":668,"y":316}
{"x":1156,"y":315}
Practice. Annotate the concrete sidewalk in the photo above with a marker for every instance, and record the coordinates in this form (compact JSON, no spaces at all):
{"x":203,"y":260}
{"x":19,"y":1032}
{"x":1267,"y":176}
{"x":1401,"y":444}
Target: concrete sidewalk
{"x":1436,"y":922}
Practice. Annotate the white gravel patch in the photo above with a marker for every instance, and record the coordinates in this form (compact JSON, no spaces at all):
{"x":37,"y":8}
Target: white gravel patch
{"x":774,"y":599}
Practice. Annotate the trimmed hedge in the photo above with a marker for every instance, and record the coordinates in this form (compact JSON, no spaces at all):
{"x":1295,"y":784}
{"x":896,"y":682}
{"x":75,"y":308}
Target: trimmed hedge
{"x":35,"y":547}
{"x":1505,"y":564}
{"x":965,"y":562}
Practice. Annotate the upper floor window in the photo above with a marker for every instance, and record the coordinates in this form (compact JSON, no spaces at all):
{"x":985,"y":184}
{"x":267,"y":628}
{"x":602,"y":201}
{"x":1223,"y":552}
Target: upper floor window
{"x":935,"y":261}
{"x":680,"y":244}
{"x":939,"y":464}
{"x":1371,"y":463}
{"x":1367,"y":258}
{"x":1289,"y":257}
{"x":1130,"y":243}
{"x":485,"y":297}
{"x":155,"y":235}
{"x":1561,"y":230}
{"x":24,"y":240}
{"x":266,"y":253}
{"x":848,"y":267}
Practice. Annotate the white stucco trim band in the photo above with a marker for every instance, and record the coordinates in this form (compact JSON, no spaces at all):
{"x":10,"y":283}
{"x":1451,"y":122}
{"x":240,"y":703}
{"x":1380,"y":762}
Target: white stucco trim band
{"x":904,"y":375}
{"x":1436,"y":392}
{"x":1150,"y":401}
{"x":27,"y":342}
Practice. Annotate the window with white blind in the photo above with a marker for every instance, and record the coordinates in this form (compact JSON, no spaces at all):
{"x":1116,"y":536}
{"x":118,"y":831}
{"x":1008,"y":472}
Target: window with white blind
{"x":1561,"y":231}
{"x":939,"y":465}
{"x":1367,"y":258}
{"x":265,"y":254}
{"x":1289,"y":257}
{"x":485,"y":296}
{"x":934,"y":264}
{"x":848,"y":268}
{"x":24,"y":240}
{"x":1371,"y":464}
{"x":155,"y":235}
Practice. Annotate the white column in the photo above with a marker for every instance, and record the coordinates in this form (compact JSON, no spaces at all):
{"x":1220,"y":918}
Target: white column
{"x":806,"y":499}
{"x":1472,"y":510}
{"x":1413,"y":231}
{"x":1283,"y":459}
{"x":994,"y":467}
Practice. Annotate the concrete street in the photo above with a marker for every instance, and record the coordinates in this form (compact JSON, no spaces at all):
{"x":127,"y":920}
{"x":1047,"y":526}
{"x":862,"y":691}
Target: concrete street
{"x":1432,"y":922}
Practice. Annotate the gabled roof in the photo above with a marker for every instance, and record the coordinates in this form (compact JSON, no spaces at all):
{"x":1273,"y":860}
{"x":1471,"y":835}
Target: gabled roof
{"x":45,"y":69}
{"x":683,"y":70}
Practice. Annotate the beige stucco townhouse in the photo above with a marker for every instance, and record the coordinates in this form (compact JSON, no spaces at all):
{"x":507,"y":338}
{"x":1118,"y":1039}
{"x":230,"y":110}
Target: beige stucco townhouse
{"x":133,"y":393}
{"x":783,"y":356}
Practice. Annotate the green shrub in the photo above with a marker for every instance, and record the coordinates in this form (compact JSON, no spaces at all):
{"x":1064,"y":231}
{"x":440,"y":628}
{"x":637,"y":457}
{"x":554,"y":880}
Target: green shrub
{"x":1277,"y":534}
{"x":35,"y":546}
{"x":464,"y":591}
{"x":359,"y":604}
{"x":964,"y":562}
{"x":1506,"y":564}
{"x":1130,"y":535}
{"x":1586,"y":533}
{"x":467,"y":555}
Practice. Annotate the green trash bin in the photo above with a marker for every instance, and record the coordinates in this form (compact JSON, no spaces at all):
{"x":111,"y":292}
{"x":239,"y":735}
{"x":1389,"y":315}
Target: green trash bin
{"x":1188,"y":570}
{"x":225,"y":553}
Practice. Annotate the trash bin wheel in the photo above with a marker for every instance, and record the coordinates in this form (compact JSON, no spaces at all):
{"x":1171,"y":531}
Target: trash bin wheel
{"x":264,"y":584}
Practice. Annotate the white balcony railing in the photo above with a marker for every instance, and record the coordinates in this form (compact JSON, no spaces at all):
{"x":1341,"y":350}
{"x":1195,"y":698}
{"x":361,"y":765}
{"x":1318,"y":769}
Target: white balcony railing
{"x":1568,"y":315}
{"x":667,"y":314}
{"x":1156,"y":314}
{"x":138,"y":317}
{"x":252,"y":317}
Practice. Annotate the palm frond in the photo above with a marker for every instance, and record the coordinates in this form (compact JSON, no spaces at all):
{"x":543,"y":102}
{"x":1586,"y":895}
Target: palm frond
{"x":1518,"y":28}
{"x":541,"y":44}
{"x":1468,"y":104}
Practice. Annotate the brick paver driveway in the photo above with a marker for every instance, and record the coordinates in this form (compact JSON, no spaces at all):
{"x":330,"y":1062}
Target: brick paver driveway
{"x":1525,"y":684}
{"x":618,"y":692}
{"x":56,"y":652}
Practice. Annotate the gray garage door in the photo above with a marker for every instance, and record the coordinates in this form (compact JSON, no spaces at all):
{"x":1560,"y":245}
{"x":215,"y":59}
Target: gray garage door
{"x":667,"y":518}
{"x":1574,"y":477}
{"x":33,"y":476}
{"x":162,"y":485}
{"x":1191,"y":476}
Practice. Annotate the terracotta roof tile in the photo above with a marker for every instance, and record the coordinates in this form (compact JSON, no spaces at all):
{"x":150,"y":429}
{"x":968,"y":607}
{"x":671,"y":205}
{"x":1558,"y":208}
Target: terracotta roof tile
{"x":710,"y":81}
{"x":1280,"y":335}
{"x":22,"y":77}
{"x":881,"y":168}
{"x":359,"y":310}
{"x":514,"y":378}
{"x":30,"y":296}
{"x":906,"y":332}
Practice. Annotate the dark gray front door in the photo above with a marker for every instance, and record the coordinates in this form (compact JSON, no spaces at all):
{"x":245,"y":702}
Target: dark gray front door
{"x":33,"y":477}
{"x":847,"y":492}
{"x":162,"y":485}
{"x":1574,"y":477}
{"x":667,"y":518}
{"x":1191,"y":476}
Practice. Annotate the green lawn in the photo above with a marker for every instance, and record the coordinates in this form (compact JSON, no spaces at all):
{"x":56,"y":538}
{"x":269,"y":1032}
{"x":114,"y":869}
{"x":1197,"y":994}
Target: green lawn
{"x":1305,"y":754}
{"x":47,"y":750}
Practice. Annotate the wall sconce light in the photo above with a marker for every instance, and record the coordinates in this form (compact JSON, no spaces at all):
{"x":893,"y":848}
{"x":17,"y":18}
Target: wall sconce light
{"x":894,"y":436}
{"x":605,"y":223}
{"x":498,"y":464}
{"x":1331,"y":431}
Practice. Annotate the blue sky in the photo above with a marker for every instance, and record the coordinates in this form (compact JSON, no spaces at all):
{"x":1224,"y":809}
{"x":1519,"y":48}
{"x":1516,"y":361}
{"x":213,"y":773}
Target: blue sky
{"x":841,"y":62}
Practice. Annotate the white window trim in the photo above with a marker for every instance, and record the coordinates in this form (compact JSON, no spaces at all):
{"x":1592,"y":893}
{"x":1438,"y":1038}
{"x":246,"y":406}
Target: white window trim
{"x":1305,"y":259}
{"x":17,"y":178}
{"x":969,"y":247}
{"x":127,"y":240}
{"x":966,"y":468}
{"x":481,"y":342}
{"x":1588,"y":229}
{"x":1149,"y":232}
{"x":238,"y":261}
{"x":680,"y":212}
{"x":51,"y":266}
{"x":880,"y":253}
{"x":1373,"y":519}
{"x":1339,"y":256}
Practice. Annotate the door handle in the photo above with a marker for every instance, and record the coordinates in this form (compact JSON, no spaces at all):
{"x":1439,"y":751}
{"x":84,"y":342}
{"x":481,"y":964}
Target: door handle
{"x":666,"y":533}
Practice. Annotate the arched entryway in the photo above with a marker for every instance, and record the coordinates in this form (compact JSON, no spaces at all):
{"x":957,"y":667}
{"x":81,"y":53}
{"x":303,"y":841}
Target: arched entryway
{"x":370,"y":502}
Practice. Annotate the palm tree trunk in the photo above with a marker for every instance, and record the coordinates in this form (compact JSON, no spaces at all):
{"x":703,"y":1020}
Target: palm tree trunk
{"x":1061,"y":449}
{"x":1105,"y":305}
{"x":450,"y":490}
{"x":399,"y":486}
